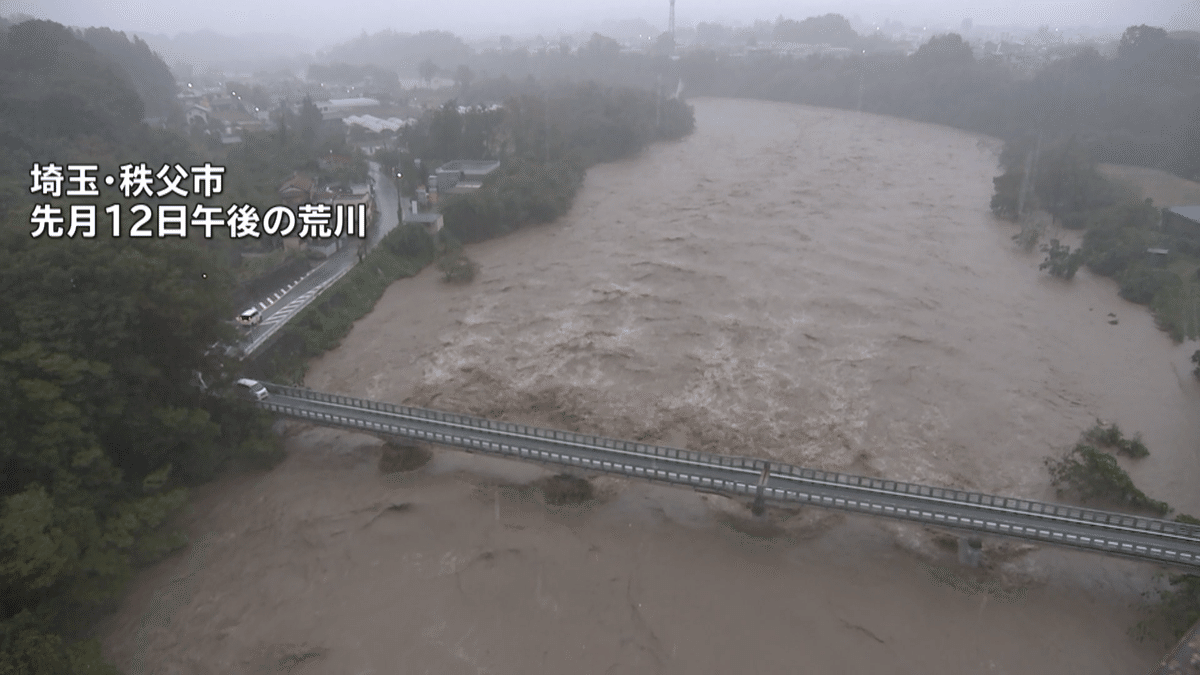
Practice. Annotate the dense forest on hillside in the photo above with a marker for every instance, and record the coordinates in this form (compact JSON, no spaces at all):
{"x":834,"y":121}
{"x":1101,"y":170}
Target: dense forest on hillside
{"x":150,"y":77}
{"x":111,"y":400}
{"x":64,"y":101}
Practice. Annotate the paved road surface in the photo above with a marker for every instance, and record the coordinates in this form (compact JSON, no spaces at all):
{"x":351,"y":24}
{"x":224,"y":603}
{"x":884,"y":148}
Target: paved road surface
{"x":279,"y":311}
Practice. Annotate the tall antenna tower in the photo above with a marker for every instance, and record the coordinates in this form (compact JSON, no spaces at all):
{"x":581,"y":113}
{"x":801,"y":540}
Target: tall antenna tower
{"x":671,"y":26}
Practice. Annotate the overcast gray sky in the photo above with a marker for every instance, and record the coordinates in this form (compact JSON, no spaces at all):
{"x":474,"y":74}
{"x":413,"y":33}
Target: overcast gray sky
{"x":326,"y":22}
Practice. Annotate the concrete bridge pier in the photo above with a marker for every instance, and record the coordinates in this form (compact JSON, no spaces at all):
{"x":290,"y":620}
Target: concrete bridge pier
{"x":759,"y":503}
{"x":970,"y":551}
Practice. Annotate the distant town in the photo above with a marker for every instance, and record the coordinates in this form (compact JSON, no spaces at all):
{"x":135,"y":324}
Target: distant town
{"x":373,"y":103}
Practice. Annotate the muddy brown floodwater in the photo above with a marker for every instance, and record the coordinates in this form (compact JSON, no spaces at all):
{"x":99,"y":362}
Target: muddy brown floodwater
{"x":818,"y":287}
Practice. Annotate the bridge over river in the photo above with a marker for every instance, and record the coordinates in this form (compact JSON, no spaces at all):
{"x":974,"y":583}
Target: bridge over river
{"x":1148,"y":539}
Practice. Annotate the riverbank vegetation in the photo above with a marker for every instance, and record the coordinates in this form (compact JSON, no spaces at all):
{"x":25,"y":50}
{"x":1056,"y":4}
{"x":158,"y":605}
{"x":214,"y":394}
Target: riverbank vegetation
{"x":457,"y":268}
{"x":1123,"y":238}
{"x":1090,"y":475}
{"x":113,"y":401}
{"x":1110,"y":436}
{"x":321,"y":325}
{"x":1052,"y":166}
{"x":546,"y":137}
{"x":399,"y":456}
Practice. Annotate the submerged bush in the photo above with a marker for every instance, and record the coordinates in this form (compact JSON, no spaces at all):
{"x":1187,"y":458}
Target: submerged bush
{"x":1094,"y":476}
{"x":1060,"y":260}
{"x":457,"y":267}
{"x":565,"y":489}
{"x":399,"y":456}
{"x":1111,"y":437}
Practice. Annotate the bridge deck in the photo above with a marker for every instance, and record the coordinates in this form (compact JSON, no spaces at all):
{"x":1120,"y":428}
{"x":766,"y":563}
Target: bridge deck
{"x":1139,"y":537}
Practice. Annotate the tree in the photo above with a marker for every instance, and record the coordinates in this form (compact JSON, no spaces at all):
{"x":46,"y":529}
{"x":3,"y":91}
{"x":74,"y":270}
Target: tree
{"x":428,"y":69}
{"x":944,"y":51}
{"x":463,"y":77}
{"x":309,"y":120}
{"x":102,"y":426}
{"x":1139,"y":41}
{"x":146,"y":71}
{"x":1006,"y":199}
{"x":1060,"y":260}
{"x":456,"y":267}
{"x":1066,"y":180}
{"x":665,"y":44}
{"x":445,"y":130}
{"x":1091,"y":475}
{"x":830,"y":29}
{"x":600,"y":48}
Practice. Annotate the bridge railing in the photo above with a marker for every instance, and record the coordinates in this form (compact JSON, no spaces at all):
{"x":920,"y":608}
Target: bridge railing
{"x":808,"y":492}
{"x":508,"y":427}
{"x":752,"y":465}
{"x":994,"y":502}
{"x":397,"y":427}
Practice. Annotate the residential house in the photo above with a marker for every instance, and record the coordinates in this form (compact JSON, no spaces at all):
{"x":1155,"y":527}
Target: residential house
{"x":359,"y":194}
{"x":410,"y":213}
{"x":197,"y":111}
{"x":432,"y":222}
{"x":299,"y":189}
{"x":341,"y":107}
{"x":462,"y":175}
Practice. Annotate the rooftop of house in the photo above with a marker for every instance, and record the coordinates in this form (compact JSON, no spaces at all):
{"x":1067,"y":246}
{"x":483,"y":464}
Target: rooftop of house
{"x":346,"y":103}
{"x":378,"y":124}
{"x":298,"y":181}
{"x":470,"y":167}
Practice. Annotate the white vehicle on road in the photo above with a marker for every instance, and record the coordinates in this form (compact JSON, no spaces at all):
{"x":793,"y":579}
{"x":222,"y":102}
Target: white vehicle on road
{"x":255,"y":388}
{"x":250,"y":317}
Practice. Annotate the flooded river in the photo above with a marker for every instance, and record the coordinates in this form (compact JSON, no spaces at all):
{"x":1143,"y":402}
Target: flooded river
{"x":819,"y":287}
{"x":814,"y":286}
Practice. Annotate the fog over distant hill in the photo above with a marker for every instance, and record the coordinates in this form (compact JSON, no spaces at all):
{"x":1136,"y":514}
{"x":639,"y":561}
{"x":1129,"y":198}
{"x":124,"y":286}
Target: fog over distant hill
{"x":323,"y":24}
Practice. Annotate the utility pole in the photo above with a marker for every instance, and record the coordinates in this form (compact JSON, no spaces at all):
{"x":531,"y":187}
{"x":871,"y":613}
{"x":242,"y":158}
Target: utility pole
{"x":671,"y":25}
